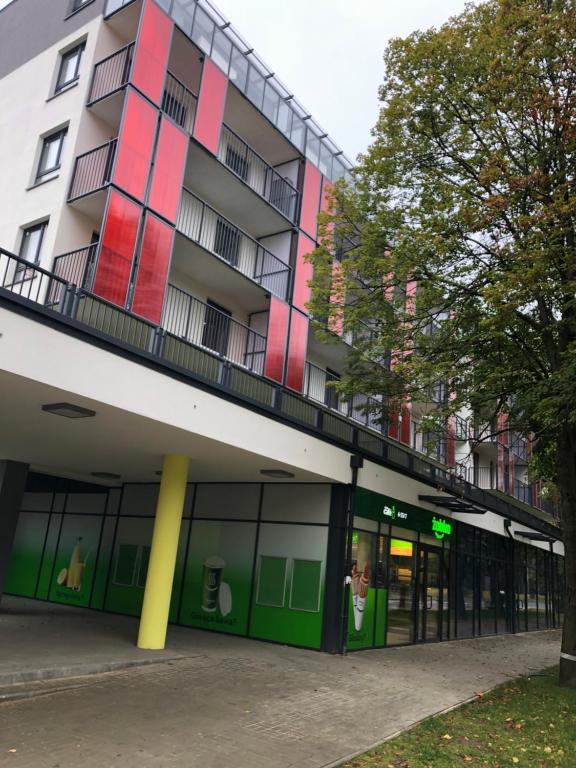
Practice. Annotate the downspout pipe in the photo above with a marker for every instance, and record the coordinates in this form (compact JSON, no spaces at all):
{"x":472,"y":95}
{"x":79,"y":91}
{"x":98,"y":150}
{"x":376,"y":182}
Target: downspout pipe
{"x":356,"y":463}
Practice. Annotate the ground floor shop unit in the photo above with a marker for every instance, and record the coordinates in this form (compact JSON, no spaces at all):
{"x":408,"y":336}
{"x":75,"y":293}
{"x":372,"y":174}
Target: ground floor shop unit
{"x":269,"y":561}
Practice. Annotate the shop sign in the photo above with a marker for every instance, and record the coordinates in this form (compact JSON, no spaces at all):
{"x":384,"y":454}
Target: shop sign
{"x":376,"y":506}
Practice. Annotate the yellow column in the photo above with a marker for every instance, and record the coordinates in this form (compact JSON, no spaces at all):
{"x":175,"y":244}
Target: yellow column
{"x":154,"y":620}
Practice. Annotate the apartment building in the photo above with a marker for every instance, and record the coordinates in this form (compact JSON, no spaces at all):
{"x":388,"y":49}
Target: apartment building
{"x":170,"y":445}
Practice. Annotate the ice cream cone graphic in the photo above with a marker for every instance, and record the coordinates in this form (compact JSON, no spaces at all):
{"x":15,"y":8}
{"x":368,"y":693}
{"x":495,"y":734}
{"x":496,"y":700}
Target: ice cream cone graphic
{"x":360,"y":601}
{"x":355,"y":584}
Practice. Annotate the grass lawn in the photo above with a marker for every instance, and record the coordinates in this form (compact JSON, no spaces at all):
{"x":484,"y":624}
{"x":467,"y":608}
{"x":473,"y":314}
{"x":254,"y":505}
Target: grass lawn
{"x":527,"y":722}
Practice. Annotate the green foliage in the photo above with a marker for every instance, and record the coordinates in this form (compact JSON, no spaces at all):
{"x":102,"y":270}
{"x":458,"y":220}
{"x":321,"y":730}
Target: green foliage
{"x":528,"y":722}
{"x":467,"y":192}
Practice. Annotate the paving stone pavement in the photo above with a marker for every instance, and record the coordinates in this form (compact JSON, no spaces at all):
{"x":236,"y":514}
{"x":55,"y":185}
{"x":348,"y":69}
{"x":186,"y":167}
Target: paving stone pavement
{"x":229,"y":702}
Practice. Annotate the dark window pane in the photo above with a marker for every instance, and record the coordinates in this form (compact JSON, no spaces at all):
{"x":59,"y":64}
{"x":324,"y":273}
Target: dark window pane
{"x":69,"y":67}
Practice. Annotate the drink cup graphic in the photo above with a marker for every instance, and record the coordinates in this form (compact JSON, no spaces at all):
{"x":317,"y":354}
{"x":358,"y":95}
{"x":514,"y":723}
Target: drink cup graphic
{"x":211,"y":579}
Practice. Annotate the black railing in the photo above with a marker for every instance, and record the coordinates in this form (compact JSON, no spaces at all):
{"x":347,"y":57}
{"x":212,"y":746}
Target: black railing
{"x":77,"y":267}
{"x":207,"y":327}
{"x":257,"y":173}
{"x":522,"y":491}
{"x":179,"y":103}
{"x":111,"y":74}
{"x":519,"y":446}
{"x":33,"y":286}
{"x":92,"y":170}
{"x":205,"y":226}
{"x":461,"y":429}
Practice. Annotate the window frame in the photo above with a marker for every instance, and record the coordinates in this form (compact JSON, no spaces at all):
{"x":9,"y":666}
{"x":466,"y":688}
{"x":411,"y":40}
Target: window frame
{"x":21,"y":271}
{"x":79,"y":48}
{"x":60,"y":133}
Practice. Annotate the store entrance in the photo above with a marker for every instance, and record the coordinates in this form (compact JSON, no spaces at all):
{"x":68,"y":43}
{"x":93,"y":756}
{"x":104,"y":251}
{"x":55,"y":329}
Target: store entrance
{"x":432,"y":594}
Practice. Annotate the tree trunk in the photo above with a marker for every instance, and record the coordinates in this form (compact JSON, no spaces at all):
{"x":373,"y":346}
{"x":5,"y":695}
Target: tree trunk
{"x":567,"y":490}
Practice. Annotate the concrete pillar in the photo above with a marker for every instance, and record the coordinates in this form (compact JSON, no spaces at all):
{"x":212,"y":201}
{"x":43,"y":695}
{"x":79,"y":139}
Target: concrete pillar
{"x":158,"y":590}
{"x":12,"y":483}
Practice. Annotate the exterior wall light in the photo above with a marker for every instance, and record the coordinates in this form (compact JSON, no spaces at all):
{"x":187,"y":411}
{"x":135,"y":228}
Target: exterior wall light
{"x":276,"y":473}
{"x":68,"y":410}
{"x":106,"y":475}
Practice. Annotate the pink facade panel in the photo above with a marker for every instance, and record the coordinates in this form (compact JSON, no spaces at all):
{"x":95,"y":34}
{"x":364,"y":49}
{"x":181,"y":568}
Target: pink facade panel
{"x":151,"y":52}
{"x":117,"y":249}
{"x":277,"y":339}
{"x":168,"y":170}
{"x":153,"y":269}
{"x":135,"y":145}
{"x":297,"y":351}
{"x":303,"y":273}
{"x":310,"y":200}
{"x":211,"y":102}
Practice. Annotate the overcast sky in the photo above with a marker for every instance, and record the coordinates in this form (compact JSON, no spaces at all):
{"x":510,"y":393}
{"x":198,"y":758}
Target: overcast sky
{"x":329,"y":52}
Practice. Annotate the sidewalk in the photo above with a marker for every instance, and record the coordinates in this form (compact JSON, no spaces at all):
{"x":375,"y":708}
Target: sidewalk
{"x":225,"y":702}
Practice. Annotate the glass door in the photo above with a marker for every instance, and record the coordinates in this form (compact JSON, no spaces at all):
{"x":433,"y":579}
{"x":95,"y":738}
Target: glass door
{"x":430,"y":594}
{"x":401,"y":592}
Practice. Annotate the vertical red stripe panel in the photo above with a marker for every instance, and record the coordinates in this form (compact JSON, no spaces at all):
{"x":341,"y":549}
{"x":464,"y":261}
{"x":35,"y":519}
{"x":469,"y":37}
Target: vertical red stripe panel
{"x":297,"y":346}
{"x":117,"y":249}
{"x":168,"y":170}
{"x":151,"y":52}
{"x":405,"y":424}
{"x":211,"y":102}
{"x":303,"y":273}
{"x":135,"y":145}
{"x":337,"y":295}
{"x":277,"y":339}
{"x":310,"y":200}
{"x":393,"y":424}
{"x":153,"y":269}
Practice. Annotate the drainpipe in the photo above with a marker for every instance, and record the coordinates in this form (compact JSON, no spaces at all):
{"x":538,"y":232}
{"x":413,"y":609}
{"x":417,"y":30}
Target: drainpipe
{"x":356,"y":463}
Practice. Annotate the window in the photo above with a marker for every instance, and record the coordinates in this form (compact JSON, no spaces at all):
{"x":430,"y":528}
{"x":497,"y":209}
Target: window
{"x":77,"y":4}
{"x":69,"y":67}
{"x":30,"y":248}
{"x":51,"y":153}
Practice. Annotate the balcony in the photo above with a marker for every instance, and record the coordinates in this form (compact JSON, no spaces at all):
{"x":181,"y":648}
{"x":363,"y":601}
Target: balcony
{"x":519,"y":447}
{"x":522,"y":491}
{"x":253,"y":170}
{"x":111,"y":74}
{"x":206,"y":327}
{"x":76,"y":267}
{"x":203,"y":225}
{"x":92,"y":170}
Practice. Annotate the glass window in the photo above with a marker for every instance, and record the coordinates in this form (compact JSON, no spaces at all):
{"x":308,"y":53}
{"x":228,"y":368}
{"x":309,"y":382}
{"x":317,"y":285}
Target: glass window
{"x":255,"y":90}
{"x":238,"y":69}
{"x":271,"y":102}
{"x":271,"y":581}
{"x":298,"y":134}
{"x":221,"y":50}
{"x":464,"y":596}
{"x":337,"y":170}
{"x":69,"y":67}
{"x":51,"y":153}
{"x":183,"y":15}
{"x":32,"y":242}
{"x":77,"y":4}
{"x":203,"y":30}
{"x":284,"y":118}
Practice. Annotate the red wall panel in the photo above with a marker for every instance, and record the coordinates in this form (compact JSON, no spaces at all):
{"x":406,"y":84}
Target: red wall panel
{"x":277,"y":338}
{"x":310,"y":200}
{"x":303,"y":273}
{"x":168,"y":170}
{"x":117,"y":249}
{"x":151,"y":52}
{"x":297,"y":350}
{"x":211,"y":102}
{"x":405,"y":424}
{"x":337,"y":294}
{"x":135,"y":145}
{"x":153,"y":269}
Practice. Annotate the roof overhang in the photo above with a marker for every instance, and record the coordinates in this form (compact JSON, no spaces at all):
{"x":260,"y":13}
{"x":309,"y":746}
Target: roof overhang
{"x":454,"y":504}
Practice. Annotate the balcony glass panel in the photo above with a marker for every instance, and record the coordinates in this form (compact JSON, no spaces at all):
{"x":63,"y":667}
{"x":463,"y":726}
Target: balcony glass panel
{"x":325,"y":162}
{"x":238,"y":69}
{"x":312,"y":148}
{"x":183,"y":15}
{"x":221,"y":49}
{"x":284,"y":120}
{"x":271,"y":102}
{"x":298,"y":133}
{"x":203,"y":30}
{"x":255,"y":90}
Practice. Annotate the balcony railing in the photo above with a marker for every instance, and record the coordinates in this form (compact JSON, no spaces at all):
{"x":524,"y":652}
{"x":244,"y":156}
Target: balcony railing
{"x":199,"y":222}
{"x":32,"y":286}
{"x":242,"y":160}
{"x":519,"y":446}
{"x":522,"y":491}
{"x":75,"y":267}
{"x":92,"y":170}
{"x":111,"y":74}
{"x":461,"y":429}
{"x":207,"y":327}
{"x":179,"y":103}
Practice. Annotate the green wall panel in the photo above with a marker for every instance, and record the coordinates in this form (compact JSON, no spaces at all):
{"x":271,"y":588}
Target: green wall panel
{"x":26,"y":556}
{"x":103,"y":564}
{"x":49,"y":555}
{"x":124,"y":594}
{"x":75,"y":565}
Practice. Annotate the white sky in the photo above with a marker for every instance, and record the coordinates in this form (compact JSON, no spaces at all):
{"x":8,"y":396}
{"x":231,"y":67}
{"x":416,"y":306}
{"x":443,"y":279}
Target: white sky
{"x":329,"y":52}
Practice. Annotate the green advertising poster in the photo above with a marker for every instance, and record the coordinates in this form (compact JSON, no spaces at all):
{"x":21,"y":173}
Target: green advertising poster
{"x":26,"y":555}
{"x":216,"y":591}
{"x":129,"y":566}
{"x":75,"y":562}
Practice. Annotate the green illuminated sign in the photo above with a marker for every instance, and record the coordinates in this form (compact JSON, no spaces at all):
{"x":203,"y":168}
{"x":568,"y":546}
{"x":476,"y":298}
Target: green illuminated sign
{"x":441,"y":527}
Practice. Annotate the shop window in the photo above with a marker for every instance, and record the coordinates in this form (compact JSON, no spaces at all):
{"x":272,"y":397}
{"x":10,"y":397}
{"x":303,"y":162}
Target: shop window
{"x":131,"y":565}
{"x":305,"y":587}
{"x":271,"y":581}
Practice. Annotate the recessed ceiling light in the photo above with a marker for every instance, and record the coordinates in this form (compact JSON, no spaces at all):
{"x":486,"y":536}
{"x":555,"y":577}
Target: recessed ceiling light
{"x":68,"y":410}
{"x":106,"y":475}
{"x":276,"y":473}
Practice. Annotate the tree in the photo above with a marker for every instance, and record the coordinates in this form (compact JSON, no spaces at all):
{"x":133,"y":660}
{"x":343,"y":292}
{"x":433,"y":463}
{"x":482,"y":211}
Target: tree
{"x":457,"y":242}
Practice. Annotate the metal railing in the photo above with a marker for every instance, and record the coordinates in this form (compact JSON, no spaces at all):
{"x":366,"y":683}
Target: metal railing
{"x":43,"y":292}
{"x":199,"y":222}
{"x":92,"y":170}
{"x":179,"y":103}
{"x":77,"y":267}
{"x":247,"y":164}
{"x":519,"y":446}
{"x":461,"y":429}
{"x":522,"y":491}
{"x":205,"y":326}
{"x":111,"y":74}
